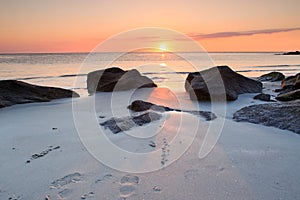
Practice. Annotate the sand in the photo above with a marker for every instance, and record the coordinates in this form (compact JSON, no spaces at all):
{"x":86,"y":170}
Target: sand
{"x":249,"y":161}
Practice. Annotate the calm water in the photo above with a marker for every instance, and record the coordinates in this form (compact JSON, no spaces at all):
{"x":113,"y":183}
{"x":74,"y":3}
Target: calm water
{"x":166,"y":69}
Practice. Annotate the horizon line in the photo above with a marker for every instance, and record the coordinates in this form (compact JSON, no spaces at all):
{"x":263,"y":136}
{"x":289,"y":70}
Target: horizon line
{"x":87,"y":52}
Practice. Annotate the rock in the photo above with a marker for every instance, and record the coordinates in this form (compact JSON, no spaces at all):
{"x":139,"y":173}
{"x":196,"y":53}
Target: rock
{"x":292,"y":53}
{"x":17,"y":92}
{"x":152,"y":144}
{"x":289,"y":82}
{"x":289,"y":96}
{"x":116,"y":79}
{"x":281,"y":115}
{"x":263,"y":97}
{"x":140,"y":105}
{"x":272,"y":76}
{"x":297,"y":82}
{"x":289,"y":90}
{"x":121,"y":124}
{"x":197,"y":84}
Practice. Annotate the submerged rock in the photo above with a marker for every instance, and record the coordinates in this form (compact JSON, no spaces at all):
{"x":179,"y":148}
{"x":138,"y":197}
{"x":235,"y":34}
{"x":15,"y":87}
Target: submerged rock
{"x":218,"y":83}
{"x":116,"y":79}
{"x":117,"y":125}
{"x":281,"y":115}
{"x":272,"y":76}
{"x":140,"y":105}
{"x":18,"y":92}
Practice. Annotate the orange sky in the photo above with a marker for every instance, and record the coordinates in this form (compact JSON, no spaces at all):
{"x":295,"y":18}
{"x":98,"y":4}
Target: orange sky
{"x":80,"y":25}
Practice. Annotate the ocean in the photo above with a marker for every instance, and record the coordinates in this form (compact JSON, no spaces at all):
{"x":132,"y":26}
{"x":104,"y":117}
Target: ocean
{"x":69,"y":70}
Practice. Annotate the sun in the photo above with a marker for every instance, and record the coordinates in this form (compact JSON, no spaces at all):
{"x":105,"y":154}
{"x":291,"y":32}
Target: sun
{"x":163,"y":47}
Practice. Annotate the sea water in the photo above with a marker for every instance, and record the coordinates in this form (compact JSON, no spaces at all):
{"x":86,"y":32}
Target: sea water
{"x":66,"y":69}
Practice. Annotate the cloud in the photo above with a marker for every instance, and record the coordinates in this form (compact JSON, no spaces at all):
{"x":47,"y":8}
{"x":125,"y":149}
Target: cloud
{"x":241,"y":33}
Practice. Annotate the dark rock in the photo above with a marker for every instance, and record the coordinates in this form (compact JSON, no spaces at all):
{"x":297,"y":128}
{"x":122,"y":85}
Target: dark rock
{"x":289,"y":81}
{"x":45,"y":152}
{"x":292,"y":53}
{"x":116,"y":79}
{"x":17,"y":92}
{"x":290,"y":88}
{"x":286,"y":89}
{"x":281,"y":115}
{"x":152,"y":144}
{"x":272,"y":76}
{"x":278,"y":90}
{"x":117,"y":125}
{"x":263,"y":97}
{"x":219,"y":83}
{"x":297,"y":82}
{"x":289,"y":96}
{"x":140,"y":105}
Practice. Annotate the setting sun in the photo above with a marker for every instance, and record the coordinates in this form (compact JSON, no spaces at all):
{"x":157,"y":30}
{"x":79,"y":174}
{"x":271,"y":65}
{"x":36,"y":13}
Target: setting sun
{"x":163,"y":47}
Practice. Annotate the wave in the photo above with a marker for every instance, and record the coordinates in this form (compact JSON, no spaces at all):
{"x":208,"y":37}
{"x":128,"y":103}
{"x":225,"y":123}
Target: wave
{"x":151,"y":73}
{"x":266,"y":70}
{"x":272,"y":66}
{"x":46,"y":77}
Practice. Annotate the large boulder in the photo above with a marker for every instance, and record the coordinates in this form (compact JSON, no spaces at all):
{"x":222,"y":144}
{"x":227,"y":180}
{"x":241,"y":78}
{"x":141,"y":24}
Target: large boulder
{"x":272,"y":76}
{"x":219,"y":82}
{"x":116,"y":79}
{"x":281,"y":115}
{"x":18,"y":92}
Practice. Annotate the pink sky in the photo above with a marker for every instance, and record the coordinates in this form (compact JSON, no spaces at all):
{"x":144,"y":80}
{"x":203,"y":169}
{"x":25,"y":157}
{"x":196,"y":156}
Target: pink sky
{"x":218,"y":25}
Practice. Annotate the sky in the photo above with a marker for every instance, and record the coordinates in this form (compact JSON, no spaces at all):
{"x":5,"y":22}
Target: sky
{"x":217,"y":25}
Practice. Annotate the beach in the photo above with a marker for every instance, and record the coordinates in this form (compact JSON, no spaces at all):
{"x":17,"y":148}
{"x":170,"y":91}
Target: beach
{"x":149,"y":100}
{"x":44,"y":156}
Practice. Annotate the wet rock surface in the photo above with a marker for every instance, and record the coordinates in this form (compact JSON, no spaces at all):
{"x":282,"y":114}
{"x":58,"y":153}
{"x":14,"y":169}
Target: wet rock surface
{"x":272,"y":76}
{"x":120,"y":124}
{"x":281,"y":115}
{"x":140,"y":105}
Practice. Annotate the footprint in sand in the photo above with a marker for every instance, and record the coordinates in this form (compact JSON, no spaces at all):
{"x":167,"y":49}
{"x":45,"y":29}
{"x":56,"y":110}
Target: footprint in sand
{"x":128,"y":185}
{"x":191,"y":174}
{"x":70,"y":178}
{"x":165,"y":152}
{"x":65,"y":193}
